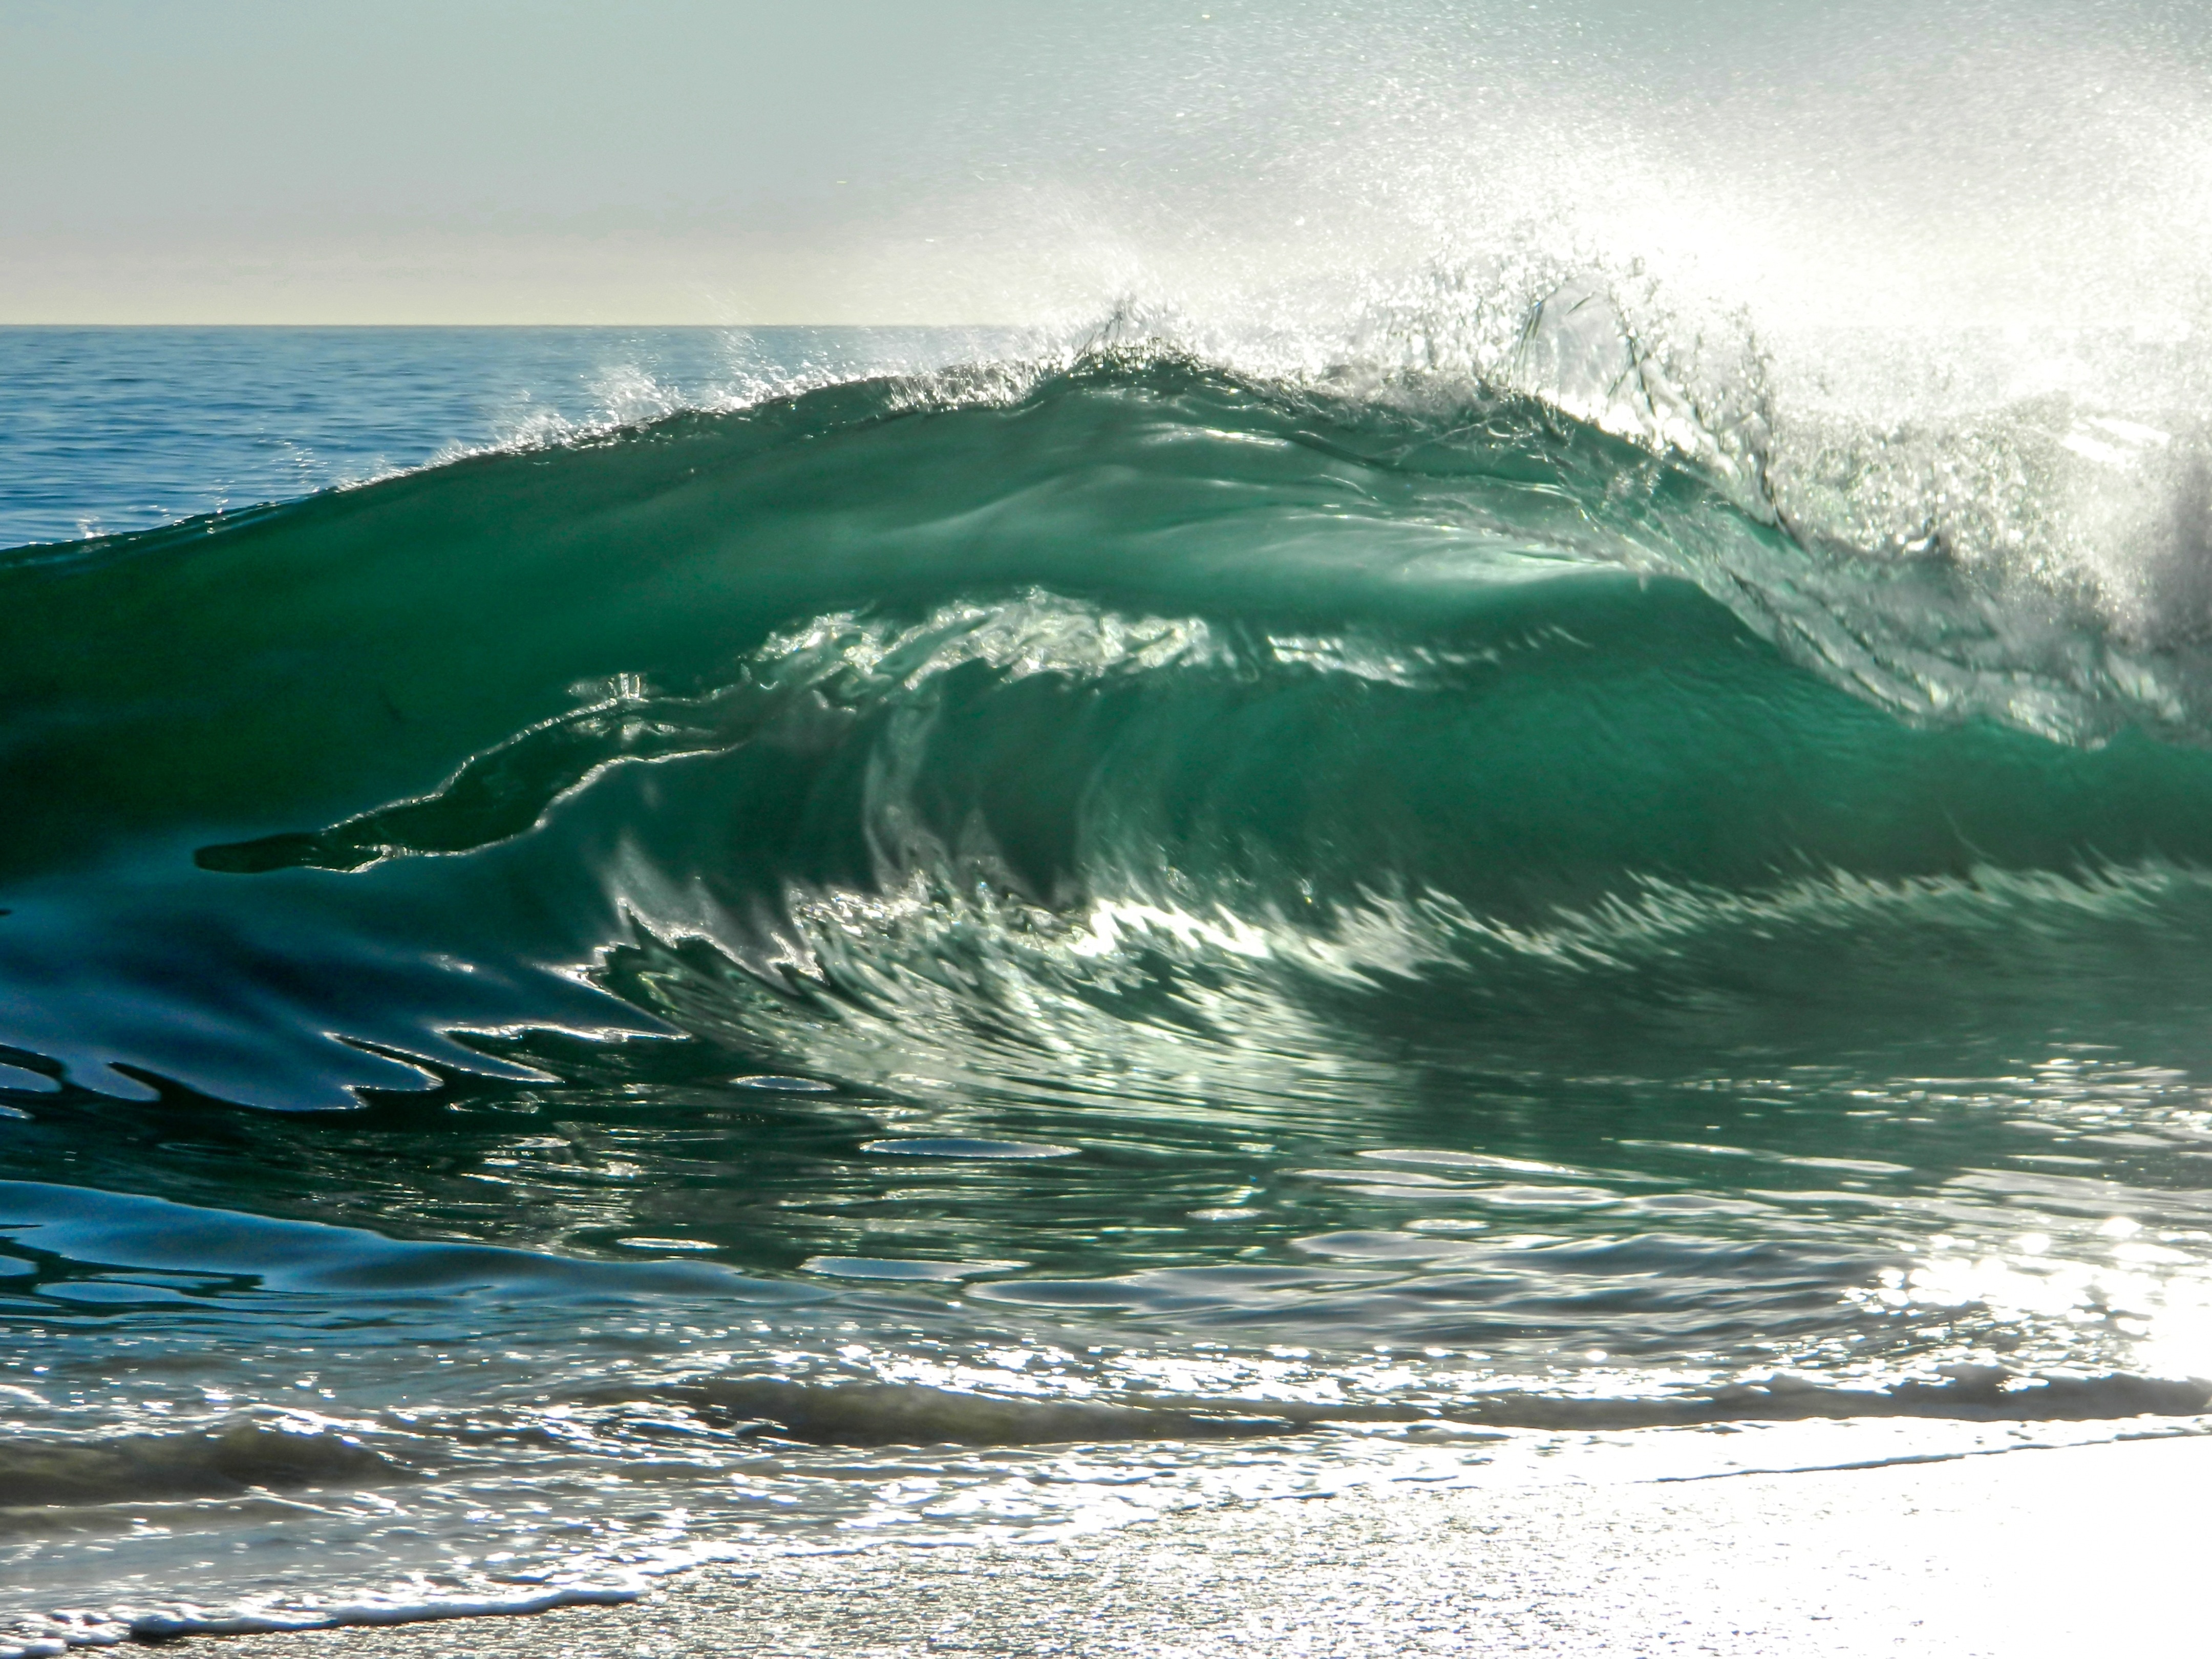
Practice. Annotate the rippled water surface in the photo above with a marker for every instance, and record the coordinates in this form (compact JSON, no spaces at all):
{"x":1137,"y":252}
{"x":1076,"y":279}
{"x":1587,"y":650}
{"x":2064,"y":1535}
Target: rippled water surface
{"x":747,"y":940}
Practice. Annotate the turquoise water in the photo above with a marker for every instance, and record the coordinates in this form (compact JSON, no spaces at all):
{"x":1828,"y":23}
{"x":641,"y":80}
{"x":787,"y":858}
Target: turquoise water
{"x":825,"y":938}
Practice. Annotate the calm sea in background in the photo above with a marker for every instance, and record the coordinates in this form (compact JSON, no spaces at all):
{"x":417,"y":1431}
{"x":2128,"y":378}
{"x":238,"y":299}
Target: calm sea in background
{"x":110,"y":430}
{"x":622,"y":947}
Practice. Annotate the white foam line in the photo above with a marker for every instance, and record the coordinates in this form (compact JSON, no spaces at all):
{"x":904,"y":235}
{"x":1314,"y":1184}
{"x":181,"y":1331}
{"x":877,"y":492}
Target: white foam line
{"x":66,"y":1632}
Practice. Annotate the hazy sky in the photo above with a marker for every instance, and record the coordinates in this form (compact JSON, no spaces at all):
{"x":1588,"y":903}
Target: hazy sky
{"x":986,"y":161}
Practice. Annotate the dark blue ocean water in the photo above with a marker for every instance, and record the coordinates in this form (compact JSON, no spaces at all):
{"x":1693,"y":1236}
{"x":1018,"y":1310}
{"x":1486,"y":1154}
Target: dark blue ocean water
{"x":109,"y":429}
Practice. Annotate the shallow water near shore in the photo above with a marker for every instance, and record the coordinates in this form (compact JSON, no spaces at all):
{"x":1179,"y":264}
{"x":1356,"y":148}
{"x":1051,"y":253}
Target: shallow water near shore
{"x":827,"y":938}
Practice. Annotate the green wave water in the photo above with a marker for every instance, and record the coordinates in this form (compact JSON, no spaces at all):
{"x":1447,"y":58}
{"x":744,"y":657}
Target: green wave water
{"x":966,"y":911}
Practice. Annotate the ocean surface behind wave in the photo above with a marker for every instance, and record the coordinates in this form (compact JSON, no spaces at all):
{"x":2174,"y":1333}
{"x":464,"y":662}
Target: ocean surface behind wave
{"x":751,"y":940}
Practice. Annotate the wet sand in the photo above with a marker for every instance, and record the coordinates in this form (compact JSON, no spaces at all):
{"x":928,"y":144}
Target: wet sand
{"x":2080,"y":1551}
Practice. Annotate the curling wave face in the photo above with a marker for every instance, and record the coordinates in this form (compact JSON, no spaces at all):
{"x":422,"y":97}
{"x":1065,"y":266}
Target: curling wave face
{"x":1041,"y":909}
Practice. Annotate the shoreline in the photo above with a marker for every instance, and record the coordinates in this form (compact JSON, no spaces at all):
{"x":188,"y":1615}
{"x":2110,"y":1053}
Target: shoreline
{"x":2061,"y":1551}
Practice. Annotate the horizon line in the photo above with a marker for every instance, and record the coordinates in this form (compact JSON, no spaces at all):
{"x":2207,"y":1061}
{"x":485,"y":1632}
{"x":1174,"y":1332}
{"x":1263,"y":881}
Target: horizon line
{"x":49,"y":323}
